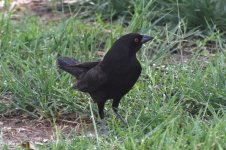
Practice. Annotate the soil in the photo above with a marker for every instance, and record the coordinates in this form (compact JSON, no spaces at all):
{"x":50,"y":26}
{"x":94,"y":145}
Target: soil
{"x":25,"y":131}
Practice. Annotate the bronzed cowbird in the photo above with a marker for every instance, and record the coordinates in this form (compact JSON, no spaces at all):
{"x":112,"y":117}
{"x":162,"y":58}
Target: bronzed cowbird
{"x":110,"y":78}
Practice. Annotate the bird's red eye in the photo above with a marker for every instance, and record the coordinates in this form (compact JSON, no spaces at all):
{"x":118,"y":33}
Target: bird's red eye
{"x":136,"y":40}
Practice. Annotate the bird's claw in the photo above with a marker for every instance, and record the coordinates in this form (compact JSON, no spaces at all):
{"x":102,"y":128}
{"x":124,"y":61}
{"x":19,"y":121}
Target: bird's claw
{"x":104,"y":129}
{"x":122,"y":119}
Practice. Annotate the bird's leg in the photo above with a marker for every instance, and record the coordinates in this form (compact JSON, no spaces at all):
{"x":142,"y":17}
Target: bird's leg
{"x":115,"y":109}
{"x":101,"y":114}
{"x":103,"y":125}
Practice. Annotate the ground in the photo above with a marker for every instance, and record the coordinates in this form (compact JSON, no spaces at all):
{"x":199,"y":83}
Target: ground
{"x":24,"y":130}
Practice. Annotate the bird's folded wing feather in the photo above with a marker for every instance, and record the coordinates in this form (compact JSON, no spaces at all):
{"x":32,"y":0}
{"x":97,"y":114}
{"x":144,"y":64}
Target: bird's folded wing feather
{"x":87,"y":65}
{"x":93,"y":80}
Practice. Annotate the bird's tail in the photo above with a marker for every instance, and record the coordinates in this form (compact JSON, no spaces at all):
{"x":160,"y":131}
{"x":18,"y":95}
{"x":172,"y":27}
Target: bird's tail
{"x":67,"y":63}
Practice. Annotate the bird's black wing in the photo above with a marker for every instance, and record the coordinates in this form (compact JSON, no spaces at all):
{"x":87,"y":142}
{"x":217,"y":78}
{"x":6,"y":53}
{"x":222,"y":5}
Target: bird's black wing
{"x":93,"y":80}
{"x":85,"y":65}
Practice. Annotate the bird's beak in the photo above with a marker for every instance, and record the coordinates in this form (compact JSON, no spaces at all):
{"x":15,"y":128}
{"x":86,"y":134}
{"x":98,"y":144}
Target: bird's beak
{"x":145,"y":38}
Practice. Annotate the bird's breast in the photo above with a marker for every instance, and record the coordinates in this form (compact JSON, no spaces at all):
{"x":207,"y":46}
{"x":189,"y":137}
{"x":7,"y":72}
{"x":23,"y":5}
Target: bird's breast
{"x":122,"y":75}
{"x":125,"y":75}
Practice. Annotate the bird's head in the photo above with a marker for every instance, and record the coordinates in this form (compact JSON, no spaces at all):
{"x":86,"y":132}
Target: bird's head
{"x":134,"y":41}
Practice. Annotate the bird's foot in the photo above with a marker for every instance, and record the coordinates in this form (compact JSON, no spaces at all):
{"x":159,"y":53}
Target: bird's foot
{"x":104,"y":129}
{"x":122,"y":119}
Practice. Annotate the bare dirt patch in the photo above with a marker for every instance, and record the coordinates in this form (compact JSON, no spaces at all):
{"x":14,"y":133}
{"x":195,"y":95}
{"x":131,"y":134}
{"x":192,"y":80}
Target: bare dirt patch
{"x":46,"y":9}
{"x":20,"y":130}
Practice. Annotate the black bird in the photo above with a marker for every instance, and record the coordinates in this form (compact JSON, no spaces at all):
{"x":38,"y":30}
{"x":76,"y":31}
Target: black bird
{"x":110,"y":78}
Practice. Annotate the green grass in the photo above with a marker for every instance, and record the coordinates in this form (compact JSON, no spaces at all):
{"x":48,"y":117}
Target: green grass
{"x":181,"y":106}
{"x":196,"y":13}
